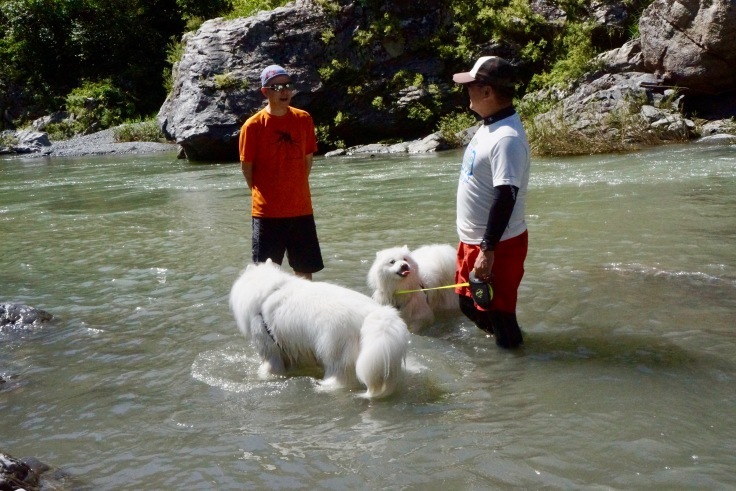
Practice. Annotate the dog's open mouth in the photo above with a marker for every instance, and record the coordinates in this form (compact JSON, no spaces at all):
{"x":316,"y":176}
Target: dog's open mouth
{"x":404,"y":270}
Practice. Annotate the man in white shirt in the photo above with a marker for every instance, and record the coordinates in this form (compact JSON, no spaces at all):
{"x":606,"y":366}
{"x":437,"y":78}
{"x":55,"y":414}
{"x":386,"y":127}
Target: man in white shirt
{"x":491,"y":199}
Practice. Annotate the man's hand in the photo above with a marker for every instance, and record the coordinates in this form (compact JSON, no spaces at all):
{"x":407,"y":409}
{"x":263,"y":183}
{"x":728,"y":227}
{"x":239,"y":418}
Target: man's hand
{"x":483,"y":265}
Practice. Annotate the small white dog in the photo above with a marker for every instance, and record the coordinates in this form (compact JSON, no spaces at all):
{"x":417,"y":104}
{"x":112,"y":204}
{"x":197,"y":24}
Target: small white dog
{"x":399,"y":269}
{"x":295,"y":323}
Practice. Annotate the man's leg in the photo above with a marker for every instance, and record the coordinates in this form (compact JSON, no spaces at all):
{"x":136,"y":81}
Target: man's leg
{"x":467,"y":307}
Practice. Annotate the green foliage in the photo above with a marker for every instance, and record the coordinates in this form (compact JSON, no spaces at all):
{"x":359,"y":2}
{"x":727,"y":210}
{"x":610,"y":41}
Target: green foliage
{"x":143,"y":131}
{"x":419,"y":112}
{"x":452,"y":124}
{"x":405,"y":78}
{"x":334,"y":70}
{"x":203,"y":9}
{"x":99,"y":105}
{"x":47,"y":47}
{"x":174,"y":53}
{"x":246,"y":8}
{"x":61,"y":131}
{"x":341,"y":118}
{"x":7,"y":140}
{"x":528,"y":107}
{"x":575,"y":59}
{"x":228,"y":81}
{"x":478,"y":21}
{"x":324,"y":137}
{"x":327,"y":36}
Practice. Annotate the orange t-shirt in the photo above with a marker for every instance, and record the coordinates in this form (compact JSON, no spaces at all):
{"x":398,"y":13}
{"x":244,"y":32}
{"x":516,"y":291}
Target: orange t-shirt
{"x":276,"y":147}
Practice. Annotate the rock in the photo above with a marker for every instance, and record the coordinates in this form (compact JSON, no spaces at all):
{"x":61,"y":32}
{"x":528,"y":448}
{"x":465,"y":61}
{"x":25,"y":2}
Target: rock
{"x":41,"y":124}
{"x":217,"y":80}
{"x":690,"y":44}
{"x":719,"y":139}
{"x":625,"y":107}
{"x":16,"y":474}
{"x":552,"y":13}
{"x":428,"y":144}
{"x":627,"y":58}
{"x":336,"y":153}
{"x":30,"y":141}
{"x":591,"y":102}
{"x":718,"y":127}
{"x":19,"y":317}
{"x":30,"y":474}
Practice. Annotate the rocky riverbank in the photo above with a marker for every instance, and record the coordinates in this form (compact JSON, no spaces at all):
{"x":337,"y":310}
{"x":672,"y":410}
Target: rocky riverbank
{"x":33,"y":143}
{"x":651,"y":88}
{"x":672,"y":83}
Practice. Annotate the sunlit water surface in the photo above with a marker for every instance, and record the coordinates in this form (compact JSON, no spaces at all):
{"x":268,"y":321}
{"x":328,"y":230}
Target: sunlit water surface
{"x":627,"y":379}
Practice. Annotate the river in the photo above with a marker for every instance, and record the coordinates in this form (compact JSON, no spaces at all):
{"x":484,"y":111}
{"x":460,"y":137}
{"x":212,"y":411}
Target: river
{"x":627,"y":379}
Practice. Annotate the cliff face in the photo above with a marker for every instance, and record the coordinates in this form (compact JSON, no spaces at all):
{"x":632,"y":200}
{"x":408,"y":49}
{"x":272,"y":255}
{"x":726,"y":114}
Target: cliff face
{"x":691,"y":44}
{"x":683,"y":43}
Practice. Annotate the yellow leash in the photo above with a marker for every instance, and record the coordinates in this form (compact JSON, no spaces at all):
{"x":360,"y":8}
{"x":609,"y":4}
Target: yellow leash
{"x":435,"y":288}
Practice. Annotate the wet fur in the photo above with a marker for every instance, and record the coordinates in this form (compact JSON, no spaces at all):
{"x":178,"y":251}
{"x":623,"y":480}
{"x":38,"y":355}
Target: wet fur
{"x":429,"y":266}
{"x":294,"y":324}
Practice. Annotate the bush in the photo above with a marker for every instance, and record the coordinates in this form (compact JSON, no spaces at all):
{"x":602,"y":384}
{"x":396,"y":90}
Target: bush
{"x":7,"y":139}
{"x":246,"y":8}
{"x":451,"y":126}
{"x":140,"y":131}
{"x":99,"y":105}
{"x":61,"y":131}
{"x":575,"y":58}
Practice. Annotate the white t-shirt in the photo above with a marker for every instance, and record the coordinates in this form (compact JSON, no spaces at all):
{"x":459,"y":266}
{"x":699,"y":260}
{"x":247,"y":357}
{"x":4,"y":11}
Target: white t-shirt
{"x":498,"y":154}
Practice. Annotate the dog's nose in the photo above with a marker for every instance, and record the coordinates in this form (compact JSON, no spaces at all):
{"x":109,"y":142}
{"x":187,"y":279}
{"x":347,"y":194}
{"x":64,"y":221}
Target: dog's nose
{"x":405,"y":267}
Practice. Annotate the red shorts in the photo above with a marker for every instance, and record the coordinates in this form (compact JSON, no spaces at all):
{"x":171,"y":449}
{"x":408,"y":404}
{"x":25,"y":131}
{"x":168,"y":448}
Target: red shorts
{"x":506,"y":274}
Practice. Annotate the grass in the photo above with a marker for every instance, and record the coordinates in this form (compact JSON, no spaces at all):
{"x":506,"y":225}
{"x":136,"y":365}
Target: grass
{"x":620,"y":130}
{"x":142,"y":131}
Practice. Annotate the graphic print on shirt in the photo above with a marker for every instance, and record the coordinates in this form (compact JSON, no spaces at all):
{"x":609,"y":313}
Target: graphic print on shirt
{"x":284,"y":138}
{"x":287,"y":145}
{"x":466,"y":171}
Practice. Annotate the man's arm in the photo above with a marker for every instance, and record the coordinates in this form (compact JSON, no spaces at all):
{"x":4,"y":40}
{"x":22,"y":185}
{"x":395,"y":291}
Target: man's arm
{"x":502,"y":205}
{"x":247,"y":168}
{"x":308,"y":160}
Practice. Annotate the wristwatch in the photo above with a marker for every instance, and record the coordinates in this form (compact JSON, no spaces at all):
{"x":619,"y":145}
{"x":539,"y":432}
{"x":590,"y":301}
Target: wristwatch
{"x":484,"y":245}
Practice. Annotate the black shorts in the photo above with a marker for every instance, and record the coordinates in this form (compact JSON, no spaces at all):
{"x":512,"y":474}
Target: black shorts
{"x":295,"y":236}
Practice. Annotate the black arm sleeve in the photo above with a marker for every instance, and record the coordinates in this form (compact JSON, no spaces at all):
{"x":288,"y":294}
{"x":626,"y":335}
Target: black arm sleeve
{"x":502,"y":204}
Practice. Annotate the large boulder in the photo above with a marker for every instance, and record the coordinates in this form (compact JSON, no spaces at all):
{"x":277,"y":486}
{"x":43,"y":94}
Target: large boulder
{"x":690,"y":44}
{"x":216,"y":81}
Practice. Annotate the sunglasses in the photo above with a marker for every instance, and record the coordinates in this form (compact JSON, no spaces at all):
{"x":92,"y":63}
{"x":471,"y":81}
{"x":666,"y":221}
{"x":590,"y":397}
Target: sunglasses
{"x":280,"y":87}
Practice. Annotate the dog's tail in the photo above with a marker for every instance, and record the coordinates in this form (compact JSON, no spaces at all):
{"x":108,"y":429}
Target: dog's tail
{"x":384,"y":339}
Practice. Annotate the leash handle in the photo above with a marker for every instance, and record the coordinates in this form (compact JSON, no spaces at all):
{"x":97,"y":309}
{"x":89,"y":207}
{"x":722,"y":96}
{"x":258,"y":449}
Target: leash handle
{"x":435,"y":288}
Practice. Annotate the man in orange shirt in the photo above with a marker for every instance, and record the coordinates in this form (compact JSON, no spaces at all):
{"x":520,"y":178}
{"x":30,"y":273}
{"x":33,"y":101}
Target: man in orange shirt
{"x":276,"y":149}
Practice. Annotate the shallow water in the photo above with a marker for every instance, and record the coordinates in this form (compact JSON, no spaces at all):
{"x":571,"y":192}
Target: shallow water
{"x":626,"y":381}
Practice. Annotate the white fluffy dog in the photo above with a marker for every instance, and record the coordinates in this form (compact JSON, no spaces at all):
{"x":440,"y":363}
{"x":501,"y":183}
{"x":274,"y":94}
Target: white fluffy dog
{"x":295,"y":323}
{"x":399,"y":269}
